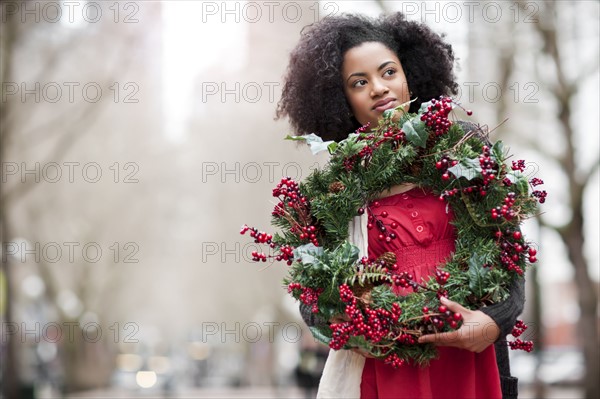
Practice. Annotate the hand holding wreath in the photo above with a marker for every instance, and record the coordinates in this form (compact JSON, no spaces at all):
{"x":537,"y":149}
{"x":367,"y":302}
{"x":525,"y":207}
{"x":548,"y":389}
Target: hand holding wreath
{"x":477,"y":332}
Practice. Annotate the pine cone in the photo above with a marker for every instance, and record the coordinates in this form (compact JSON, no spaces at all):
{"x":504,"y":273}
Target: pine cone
{"x":363,"y":291}
{"x":389,"y":258}
{"x":336,"y":187}
{"x":472,"y":299}
{"x":415,"y":168}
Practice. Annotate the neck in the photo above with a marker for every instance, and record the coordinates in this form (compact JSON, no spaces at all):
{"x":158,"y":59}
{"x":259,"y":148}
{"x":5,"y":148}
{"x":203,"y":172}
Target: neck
{"x":398,"y":189}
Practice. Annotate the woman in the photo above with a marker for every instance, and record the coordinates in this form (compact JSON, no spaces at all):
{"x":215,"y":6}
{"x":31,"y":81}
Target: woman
{"x":343,"y":74}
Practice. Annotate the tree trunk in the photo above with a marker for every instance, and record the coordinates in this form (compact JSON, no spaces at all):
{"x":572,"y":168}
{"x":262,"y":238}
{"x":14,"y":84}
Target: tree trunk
{"x":573,"y":236}
{"x":10,"y":366}
{"x":588,"y":303}
{"x":539,"y":336}
{"x":573,"y":233}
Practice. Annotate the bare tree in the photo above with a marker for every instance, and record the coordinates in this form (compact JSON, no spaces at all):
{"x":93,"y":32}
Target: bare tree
{"x":61,"y":133}
{"x":10,"y":376}
{"x":572,"y":234}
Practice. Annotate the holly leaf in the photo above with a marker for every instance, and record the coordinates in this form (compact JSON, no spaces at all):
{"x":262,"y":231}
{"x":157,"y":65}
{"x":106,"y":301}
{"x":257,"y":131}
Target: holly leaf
{"x":350,"y":146}
{"x":315,"y":142}
{"x":469,"y":168}
{"x":477,"y":275}
{"x":519,"y":180}
{"x":389,"y":113}
{"x":416,"y":132}
{"x":346,"y":253}
{"x":312,"y":256}
{"x":424,"y":107}
{"x":296,"y":138}
{"x":332,"y":147}
{"x":319,"y":336}
{"x":498,"y":151}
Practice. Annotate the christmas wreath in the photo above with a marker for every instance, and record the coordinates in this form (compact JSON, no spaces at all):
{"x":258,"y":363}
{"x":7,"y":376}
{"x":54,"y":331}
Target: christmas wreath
{"x":489,"y":198}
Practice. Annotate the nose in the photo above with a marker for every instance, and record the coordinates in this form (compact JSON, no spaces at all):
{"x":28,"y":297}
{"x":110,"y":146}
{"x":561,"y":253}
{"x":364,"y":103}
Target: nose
{"x":379,"y":88}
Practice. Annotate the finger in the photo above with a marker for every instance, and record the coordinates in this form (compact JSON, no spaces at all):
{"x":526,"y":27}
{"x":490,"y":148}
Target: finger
{"x":447,"y":339}
{"x":357,"y":351}
{"x":361,"y":352}
{"x":453,"y":306}
{"x":338,"y":319}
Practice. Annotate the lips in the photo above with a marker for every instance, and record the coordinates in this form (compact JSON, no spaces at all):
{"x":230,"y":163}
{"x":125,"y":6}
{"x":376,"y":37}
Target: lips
{"x":384,"y":104}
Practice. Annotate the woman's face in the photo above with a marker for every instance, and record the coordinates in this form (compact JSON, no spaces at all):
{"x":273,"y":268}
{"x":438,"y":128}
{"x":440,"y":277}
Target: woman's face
{"x":373,"y":81}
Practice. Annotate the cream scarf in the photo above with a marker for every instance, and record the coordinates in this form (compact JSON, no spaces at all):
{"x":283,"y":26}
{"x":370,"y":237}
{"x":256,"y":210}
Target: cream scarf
{"x":343,"y":369}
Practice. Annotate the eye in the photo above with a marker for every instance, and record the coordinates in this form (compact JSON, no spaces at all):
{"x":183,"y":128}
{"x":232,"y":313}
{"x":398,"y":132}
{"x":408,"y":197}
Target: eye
{"x":359,"y":83}
{"x":389,"y":72}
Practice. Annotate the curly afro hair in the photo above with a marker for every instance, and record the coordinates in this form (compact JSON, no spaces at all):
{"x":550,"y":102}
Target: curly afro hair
{"x":313,"y":96}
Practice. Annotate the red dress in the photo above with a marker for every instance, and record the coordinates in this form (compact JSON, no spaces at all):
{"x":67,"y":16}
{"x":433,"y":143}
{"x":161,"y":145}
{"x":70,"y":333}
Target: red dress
{"x":424,"y":240}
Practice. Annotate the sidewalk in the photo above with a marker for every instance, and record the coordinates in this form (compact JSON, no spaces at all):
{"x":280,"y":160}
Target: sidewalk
{"x":273,"y":393}
{"x":552,"y":392}
{"x":209,"y":393}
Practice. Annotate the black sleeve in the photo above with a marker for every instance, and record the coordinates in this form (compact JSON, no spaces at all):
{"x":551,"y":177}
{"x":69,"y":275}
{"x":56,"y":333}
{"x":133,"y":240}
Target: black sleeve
{"x":505,"y":313}
{"x":311,"y":319}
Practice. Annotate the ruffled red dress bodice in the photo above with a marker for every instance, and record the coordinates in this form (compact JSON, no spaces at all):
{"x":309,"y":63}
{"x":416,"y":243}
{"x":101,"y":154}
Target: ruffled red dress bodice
{"x":424,"y":240}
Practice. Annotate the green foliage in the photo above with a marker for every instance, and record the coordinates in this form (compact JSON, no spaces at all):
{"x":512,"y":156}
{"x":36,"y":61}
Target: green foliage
{"x":416,"y":132}
{"x":320,"y":335}
{"x":371,"y":275}
{"x":315,"y":142}
{"x":468,"y":168}
{"x":477,"y":273}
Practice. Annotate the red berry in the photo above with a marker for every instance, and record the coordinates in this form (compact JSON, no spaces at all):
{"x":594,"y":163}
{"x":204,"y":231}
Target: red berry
{"x":517,"y":235}
{"x":532,"y":251}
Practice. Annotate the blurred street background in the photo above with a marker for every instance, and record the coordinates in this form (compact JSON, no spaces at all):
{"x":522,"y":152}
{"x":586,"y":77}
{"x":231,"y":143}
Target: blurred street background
{"x":136,"y":137}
